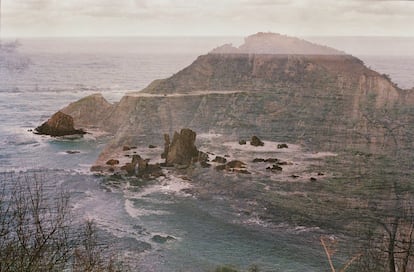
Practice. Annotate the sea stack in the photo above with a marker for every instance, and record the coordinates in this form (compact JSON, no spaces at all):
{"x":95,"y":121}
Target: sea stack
{"x":60,"y":124}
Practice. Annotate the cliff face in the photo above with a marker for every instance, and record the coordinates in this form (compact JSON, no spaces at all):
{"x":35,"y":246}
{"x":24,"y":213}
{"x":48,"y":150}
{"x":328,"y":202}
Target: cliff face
{"x":243,"y":72}
{"x":329,"y":101}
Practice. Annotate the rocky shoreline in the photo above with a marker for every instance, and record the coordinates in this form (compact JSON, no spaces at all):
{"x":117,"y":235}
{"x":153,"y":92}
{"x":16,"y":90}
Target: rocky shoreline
{"x":241,"y":173}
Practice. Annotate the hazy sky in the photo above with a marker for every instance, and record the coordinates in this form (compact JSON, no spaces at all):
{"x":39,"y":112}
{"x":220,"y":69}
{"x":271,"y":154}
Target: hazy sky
{"x":206,"y":17}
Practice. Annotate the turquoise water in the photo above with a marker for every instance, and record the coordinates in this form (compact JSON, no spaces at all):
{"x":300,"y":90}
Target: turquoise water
{"x":43,"y":75}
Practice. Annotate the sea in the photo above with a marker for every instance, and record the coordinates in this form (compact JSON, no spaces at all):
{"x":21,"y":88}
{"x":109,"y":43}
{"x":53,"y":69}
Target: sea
{"x":39,"y":76}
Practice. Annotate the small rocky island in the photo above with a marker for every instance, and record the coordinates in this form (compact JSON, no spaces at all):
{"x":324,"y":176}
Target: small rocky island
{"x":60,"y":124}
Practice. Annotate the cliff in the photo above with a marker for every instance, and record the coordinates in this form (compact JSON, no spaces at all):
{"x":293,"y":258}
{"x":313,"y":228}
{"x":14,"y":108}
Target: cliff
{"x":324,"y":100}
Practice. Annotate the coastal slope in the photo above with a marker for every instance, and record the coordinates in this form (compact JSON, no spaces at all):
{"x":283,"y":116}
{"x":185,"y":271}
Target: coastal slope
{"x":313,"y":95}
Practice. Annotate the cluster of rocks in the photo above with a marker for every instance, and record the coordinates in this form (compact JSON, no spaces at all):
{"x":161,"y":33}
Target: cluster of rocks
{"x":142,"y":168}
{"x":138,"y":167}
{"x":182,"y":152}
{"x":60,"y":124}
{"x":256,"y":141}
{"x":276,"y":163}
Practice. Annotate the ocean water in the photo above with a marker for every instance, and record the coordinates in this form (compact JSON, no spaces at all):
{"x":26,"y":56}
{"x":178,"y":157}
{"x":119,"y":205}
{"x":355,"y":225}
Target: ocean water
{"x":40,"y":76}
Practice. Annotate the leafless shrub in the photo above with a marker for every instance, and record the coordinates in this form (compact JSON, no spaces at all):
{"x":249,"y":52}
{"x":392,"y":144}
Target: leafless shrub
{"x":37,"y":232}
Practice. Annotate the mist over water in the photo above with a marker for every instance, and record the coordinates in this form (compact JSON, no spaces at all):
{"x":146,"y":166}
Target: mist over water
{"x":40,"y":76}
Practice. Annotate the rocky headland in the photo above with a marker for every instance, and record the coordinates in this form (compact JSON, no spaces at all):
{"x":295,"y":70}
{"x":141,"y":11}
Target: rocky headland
{"x":306,"y":102}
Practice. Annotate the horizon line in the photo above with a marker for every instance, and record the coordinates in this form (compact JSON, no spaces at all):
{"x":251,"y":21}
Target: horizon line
{"x":196,"y":36}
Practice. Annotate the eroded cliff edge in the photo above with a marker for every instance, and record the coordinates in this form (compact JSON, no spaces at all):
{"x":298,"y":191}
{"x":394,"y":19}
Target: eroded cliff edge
{"x":325,"y":100}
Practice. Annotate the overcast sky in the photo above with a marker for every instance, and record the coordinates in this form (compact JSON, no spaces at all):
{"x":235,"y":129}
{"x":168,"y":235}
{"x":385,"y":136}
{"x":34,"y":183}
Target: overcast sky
{"x":206,"y":17}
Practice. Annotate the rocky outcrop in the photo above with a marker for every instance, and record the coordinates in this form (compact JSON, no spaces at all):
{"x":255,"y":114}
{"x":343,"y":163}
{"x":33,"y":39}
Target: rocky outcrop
{"x":59,"y":124}
{"x":317,"y":100}
{"x":255,"y":141}
{"x":182,"y":149}
{"x":91,"y":112}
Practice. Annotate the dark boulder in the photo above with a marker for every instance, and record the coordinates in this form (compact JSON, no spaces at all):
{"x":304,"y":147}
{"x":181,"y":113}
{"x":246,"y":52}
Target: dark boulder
{"x":271,"y":160}
{"x":280,"y":146}
{"x":72,"y":152}
{"x":236,"y":164}
{"x":284,"y":163}
{"x":162,"y":239}
{"x":258,"y":160}
{"x":275,"y":168}
{"x":59,"y":124}
{"x":219,"y":159}
{"x":242,"y":142}
{"x":256,"y":141}
{"x":112,"y":162}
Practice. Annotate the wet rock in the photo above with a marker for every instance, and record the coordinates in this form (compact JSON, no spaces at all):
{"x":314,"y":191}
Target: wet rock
{"x":162,"y":239}
{"x":236,"y":164}
{"x":255,"y":141}
{"x":256,"y":160}
{"x":275,"y":168}
{"x":112,"y":162}
{"x":182,"y":150}
{"x":242,"y":142}
{"x":281,"y":146}
{"x":219,"y":159}
{"x":284,"y":163}
{"x":202,"y":157}
{"x":271,"y":160}
{"x":72,"y":152}
{"x":59,"y":124}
